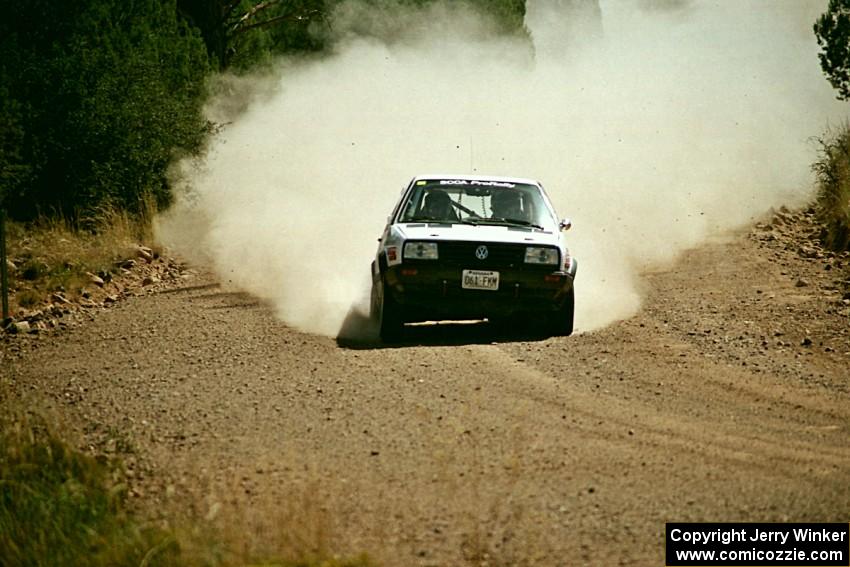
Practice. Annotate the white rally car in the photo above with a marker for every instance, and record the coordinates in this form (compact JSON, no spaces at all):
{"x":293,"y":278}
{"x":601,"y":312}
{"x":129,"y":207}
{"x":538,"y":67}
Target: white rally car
{"x":473,"y":247}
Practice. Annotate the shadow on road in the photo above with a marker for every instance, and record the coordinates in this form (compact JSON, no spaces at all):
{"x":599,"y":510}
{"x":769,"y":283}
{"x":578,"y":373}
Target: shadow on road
{"x":225,"y":299}
{"x":188,"y":288}
{"x":359,"y":332}
{"x":231,"y":300}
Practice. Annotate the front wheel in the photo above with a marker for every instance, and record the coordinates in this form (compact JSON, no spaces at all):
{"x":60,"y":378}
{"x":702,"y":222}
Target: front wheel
{"x":561,"y":323}
{"x":386,"y":313}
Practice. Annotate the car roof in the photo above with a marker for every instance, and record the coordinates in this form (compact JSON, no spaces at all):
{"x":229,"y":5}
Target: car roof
{"x":467,"y":177}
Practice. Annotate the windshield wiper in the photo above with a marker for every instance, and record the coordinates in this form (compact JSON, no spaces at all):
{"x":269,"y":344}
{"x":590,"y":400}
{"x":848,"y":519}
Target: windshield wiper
{"x":512,"y":222}
{"x":428,"y":219}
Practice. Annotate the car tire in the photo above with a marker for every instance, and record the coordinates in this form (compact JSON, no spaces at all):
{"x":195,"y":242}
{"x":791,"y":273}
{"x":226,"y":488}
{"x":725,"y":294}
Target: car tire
{"x":386,"y":313}
{"x":562,"y":320}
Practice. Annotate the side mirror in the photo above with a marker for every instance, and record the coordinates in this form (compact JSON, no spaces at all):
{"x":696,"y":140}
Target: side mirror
{"x":565,"y":224}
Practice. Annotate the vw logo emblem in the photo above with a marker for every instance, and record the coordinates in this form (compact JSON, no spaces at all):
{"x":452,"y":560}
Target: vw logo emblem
{"x":481,"y":252}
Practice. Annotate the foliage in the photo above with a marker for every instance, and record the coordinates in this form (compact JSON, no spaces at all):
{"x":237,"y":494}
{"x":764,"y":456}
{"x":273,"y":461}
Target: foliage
{"x":100,"y":96}
{"x":14,"y":171}
{"x":508,"y":15}
{"x":242,"y":33}
{"x":832,"y":30}
{"x":833,"y":199}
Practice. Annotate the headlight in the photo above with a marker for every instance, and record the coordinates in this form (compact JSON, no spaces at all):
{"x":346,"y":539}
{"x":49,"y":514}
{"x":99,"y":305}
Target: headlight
{"x":420,"y":251}
{"x":538,"y":255}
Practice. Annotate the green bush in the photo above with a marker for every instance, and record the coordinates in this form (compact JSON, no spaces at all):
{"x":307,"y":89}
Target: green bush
{"x":833,"y":197}
{"x":98,"y":96}
{"x":832,"y":30}
{"x":241,"y":34}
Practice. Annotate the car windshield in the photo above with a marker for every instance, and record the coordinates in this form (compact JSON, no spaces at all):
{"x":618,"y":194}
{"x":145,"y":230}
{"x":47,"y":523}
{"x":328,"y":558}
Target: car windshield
{"x":477,"y":202}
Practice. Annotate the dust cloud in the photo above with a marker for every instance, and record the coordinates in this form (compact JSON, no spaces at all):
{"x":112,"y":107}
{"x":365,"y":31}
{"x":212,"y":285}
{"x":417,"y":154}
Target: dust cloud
{"x":652,"y":124}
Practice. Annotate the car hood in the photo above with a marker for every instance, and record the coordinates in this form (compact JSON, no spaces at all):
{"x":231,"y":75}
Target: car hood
{"x":476,"y":233}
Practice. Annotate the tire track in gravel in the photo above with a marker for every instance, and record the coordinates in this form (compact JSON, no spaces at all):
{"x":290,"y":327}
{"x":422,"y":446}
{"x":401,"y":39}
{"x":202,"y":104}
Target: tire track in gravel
{"x":769,"y":452}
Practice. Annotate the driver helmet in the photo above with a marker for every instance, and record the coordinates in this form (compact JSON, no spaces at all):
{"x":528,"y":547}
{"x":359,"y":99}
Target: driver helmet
{"x":507,"y":204}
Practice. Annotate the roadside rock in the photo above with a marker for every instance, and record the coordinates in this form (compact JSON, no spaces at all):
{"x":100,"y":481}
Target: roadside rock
{"x":18,"y":327}
{"x":96,"y":280}
{"x":808,"y":252}
{"x":145,"y":254}
{"x":62,"y":310}
{"x":34,"y":316}
{"x":59,"y":298}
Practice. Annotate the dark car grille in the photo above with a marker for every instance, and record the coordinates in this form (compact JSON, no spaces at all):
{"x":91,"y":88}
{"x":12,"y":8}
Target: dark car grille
{"x":499,"y":256}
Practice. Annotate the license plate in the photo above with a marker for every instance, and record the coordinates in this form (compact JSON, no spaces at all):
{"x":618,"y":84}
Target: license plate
{"x":479,"y":279}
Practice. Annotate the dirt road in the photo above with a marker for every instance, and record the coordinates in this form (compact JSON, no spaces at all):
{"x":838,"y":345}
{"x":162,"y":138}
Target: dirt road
{"x":727,"y":398}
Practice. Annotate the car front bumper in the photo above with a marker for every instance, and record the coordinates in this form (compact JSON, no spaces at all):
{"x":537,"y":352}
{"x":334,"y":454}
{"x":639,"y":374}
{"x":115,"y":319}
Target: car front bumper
{"x":430,"y":292}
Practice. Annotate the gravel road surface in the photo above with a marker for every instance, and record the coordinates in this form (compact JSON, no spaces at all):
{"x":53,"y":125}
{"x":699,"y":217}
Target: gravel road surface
{"x":727,"y":398}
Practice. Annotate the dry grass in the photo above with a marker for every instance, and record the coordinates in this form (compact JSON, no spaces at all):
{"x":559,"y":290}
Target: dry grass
{"x":833,"y":200}
{"x":50,"y":255}
{"x":59,"y":506}
{"x":295,"y":525}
